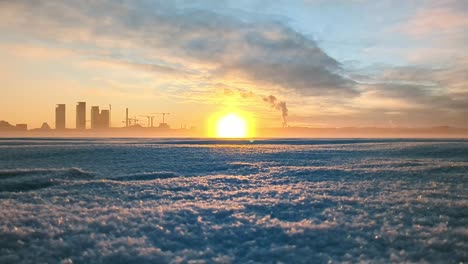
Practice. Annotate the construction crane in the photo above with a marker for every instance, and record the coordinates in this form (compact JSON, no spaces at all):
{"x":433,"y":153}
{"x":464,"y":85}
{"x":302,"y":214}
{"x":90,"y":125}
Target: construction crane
{"x":163,"y":115}
{"x":150,"y":120}
{"x":131,"y":121}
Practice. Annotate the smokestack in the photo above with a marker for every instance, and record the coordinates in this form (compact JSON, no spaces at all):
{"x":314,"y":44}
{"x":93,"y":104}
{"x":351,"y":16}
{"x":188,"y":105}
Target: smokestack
{"x":126,"y":117}
{"x":110,"y":115}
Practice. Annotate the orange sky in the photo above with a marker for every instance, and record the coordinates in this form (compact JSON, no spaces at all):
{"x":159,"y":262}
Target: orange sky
{"x":403,"y":67}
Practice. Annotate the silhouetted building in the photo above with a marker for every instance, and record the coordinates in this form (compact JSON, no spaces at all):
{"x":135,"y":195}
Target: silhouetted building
{"x":164,"y":125}
{"x":99,"y":120}
{"x":81,"y":115}
{"x":104,"y":118}
{"x":4,"y":125}
{"x":94,"y":117}
{"x":22,"y":127}
{"x":60,"y":116}
{"x":45,"y":126}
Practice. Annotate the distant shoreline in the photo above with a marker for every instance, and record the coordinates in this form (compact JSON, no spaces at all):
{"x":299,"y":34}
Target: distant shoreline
{"x":289,"y":132}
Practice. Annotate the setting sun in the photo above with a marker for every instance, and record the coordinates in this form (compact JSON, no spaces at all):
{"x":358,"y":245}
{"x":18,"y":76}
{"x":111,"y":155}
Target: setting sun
{"x":232,"y":126}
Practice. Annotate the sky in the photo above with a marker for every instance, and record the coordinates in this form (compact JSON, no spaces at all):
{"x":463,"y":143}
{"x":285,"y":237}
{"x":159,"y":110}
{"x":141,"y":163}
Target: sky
{"x":316,"y":63}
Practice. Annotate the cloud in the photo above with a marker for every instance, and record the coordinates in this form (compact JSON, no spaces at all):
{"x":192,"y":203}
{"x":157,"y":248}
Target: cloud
{"x":37,"y":52}
{"x":439,"y":17}
{"x":421,"y":94}
{"x":229,"y":91}
{"x":259,"y":49}
{"x":151,"y":68}
{"x":277,"y":56}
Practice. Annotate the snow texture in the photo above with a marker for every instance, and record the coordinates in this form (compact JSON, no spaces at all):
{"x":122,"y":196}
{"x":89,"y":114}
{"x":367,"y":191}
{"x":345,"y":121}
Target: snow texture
{"x":202,"y":201}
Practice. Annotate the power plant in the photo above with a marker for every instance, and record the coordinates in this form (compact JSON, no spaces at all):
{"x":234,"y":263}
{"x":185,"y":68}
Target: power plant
{"x":163,"y":124}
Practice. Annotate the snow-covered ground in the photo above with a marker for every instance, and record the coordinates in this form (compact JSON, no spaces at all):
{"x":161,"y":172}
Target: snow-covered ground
{"x":197,"y":201}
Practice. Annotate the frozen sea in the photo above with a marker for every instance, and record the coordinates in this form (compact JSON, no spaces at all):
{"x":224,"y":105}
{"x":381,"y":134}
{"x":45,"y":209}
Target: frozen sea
{"x":209,"y":201}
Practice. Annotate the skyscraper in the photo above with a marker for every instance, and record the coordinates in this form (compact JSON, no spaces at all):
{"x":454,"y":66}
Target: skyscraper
{"x":95,"y":117}
{"x":104,"y":118}
{"x":60,"y":116}
{"x":100,"y":119}
{"x":81,"y":115}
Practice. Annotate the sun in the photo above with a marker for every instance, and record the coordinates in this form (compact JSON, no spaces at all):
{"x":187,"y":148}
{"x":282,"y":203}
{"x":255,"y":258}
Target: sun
{"x":231,"y":124}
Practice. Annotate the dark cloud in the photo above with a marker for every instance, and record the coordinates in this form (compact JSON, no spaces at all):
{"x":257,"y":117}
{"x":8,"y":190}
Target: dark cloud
{"x":424,"y":96}
{"x":427,"y":87}
{"x":261,"y":49}
{"x":437,"y":95}
{"x":275,"y":55}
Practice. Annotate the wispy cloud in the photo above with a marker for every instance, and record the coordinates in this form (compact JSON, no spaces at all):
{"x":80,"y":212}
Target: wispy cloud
{"x":440,"y":19}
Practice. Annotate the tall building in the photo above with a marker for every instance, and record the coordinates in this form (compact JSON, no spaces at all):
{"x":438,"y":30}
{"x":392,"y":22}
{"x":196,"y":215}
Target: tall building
{"x":104,"y":118}
{"x":99,"y":120}
{"x":60,"y":116}
{"x":94,"y":117}
{"x":81,"y":115}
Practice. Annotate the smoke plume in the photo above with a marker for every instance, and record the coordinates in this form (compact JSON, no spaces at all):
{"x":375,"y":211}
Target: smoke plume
{"x":278,"y":105}
{"x":271,"y":100}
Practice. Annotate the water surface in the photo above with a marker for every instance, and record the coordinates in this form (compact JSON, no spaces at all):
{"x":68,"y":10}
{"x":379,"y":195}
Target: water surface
{"x":181,"y":200}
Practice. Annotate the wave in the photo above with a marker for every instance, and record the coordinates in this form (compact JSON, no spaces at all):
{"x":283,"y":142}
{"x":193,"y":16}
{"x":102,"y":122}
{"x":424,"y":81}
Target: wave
{"x":23,"y":172}
{"x":146,"y":176}
{"x":20,"y":180}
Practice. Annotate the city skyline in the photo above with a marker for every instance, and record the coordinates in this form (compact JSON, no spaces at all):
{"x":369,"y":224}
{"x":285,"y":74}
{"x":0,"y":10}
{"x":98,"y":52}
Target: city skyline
{"x":400,"y":65}
{"x":93,"y":117}
{"x":93,"y":121}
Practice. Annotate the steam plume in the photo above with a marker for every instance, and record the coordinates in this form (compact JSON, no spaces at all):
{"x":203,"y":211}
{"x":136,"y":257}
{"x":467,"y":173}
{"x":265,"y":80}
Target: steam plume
{"x":271,"y":100}
{"x":278,"y":105}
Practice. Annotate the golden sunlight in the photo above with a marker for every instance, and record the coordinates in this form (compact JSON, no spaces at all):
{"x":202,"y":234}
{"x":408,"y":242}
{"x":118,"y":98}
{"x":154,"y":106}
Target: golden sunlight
{"x":231,"y":126}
